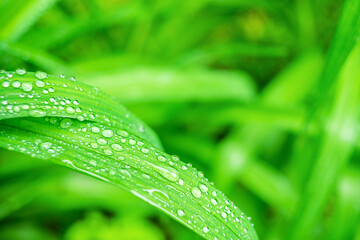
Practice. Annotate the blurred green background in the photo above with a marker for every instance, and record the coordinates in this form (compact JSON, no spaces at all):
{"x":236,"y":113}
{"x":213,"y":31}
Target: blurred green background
{"x":252,"y":93}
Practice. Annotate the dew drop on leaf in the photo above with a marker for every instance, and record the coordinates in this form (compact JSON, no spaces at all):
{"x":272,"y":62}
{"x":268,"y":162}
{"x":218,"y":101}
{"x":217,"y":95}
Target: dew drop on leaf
{"x":16,"y":84}
{"x":107,"y":133}
{"x":169,"y":173}
{"x":20,"y":72}
{"x":95,"y":129}
{"x":70,"y":110}
{"x":27,"y":86}
{"x":37,"y":113}
{"x":116,"y":147}
{"x":161,"y":158}
{"x":39,"y":83}
{"x":65,"y":123}
{"x":181,"y":213}
{"x":203,"y":188}
{"x":102,"y":141}
{"x":40,"y":75}
{"x":196,"y":192}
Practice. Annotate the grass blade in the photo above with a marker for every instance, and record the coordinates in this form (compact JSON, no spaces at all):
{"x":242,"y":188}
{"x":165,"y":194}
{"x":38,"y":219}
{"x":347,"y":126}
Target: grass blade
{"x":79,"y":127}
{"x":338,"y":143}
{"x":18,"y":16}
{"x":148,"y":84}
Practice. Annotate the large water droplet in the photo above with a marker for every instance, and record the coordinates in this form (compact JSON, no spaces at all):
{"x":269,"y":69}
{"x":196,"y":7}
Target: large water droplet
{"x":6,"y":84}
{"x":123,"y":133}
{"x":27,"y":86}
{"x":39,"y":83}
{"x":21,"y":71}
{"x":95,"y":129}
{"x":102,"y":141}
{"x":107,"y":133}
{"x":167,"y":172}
{"x":145,"y":150}
{"x":108,"y":152}
{"x":196,"y":192}
{"x":40,"y":75}
{"x":213,"y":201}
{"x":203,"y":188}
{"x":65,"y":123}
{"x":116,"y":147}
{"x":16,"y":84}
{"x":70,"y":110}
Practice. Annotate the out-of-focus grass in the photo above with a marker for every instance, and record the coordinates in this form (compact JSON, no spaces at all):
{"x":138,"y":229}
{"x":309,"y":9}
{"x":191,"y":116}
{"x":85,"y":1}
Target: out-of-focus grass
{"x":260,"y":95}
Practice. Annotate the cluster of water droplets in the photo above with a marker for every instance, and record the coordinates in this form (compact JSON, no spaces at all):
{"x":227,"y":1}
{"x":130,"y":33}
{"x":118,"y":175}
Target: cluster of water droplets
{"x":39,"y":95}
{"x":114,"y":154}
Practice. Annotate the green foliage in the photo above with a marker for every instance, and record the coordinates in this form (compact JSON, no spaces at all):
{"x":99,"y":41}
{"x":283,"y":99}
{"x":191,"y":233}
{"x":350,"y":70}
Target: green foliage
{"x":261,"y":96}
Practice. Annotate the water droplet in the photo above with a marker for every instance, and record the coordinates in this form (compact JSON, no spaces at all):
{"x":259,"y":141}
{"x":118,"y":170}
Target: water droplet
{"x":213,"y":201}
{"x":123,"y":133}
{"x":6,"y":84}
{"x":95,"y":129}
{"x":223,"y":214}
{"x":40,"y":75}
{"x":102,"y":141}
{"x":169,"y":173}
{"x":93,"y":162}
{"x":70,"y":110}
{"x":20,"y":71}
{"x":214,"y":193}
{"x":116,"y":147}
{"x":27,"y":86}
{"x":175,"y":158}
{"x":205,"y":229}
{"x":46,"y":145}
{"x":181,"y":213}
{"x":108,"y":152}
{"x":107,"y":133}
{"x":94,"y":145}
{"x":181,"y":182}
{"x":39,"y":83}
{"x":196,"y":192}
{"x":16,"y":84}
{"x":161,"y":158}
{"x":145,"y":150}
{"x":37,"y":113}
{"x":65,"y":123}
{"x":132,"y":142}
{"x":203,"y":188}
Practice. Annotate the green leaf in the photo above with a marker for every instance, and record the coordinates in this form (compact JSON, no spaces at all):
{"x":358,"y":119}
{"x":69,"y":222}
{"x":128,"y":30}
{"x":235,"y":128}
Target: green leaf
{"x":18,"y":16}
{"x":338,"y":143}
{"x":149,"y":83}
{"x":77,"y":126}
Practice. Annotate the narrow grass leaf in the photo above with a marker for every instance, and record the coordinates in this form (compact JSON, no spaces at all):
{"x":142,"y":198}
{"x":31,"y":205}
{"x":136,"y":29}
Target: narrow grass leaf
{"x":338,"y":143}
{"x":94,"y":135}
{"x":148,"y":84}
{"x":18,"y":16}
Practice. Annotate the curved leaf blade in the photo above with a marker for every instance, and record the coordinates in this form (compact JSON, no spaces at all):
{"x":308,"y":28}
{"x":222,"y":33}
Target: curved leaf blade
{"x":113,"y":150}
